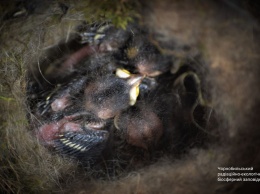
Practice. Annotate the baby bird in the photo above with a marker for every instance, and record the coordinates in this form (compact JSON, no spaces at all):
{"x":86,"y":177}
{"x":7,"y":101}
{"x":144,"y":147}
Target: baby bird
{"x":146,"y":58}
{"x":75,"y":133}
{"x":140,"y":125}
{"x":109,"y":95}
{"x":60,"y":97}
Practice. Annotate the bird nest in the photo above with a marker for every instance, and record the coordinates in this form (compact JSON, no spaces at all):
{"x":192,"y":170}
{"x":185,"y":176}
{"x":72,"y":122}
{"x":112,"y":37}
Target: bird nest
{"x":154,"y":102}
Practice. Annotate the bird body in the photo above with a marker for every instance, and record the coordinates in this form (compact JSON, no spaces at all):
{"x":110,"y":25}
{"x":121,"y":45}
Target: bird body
{"x":107,"y":96}
{"x":140,"y":125}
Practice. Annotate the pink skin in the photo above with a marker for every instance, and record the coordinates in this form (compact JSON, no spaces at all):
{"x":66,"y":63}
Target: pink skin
{"x":50,"y":131}
{"x":145,"y":68}
{"x":77,"y":56}
{"x":60,"y":103}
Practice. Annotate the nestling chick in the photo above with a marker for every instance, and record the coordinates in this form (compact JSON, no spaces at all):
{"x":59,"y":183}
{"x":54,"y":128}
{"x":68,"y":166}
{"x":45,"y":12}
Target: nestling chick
{"x":109,"y":95}
{"x":74,"y":133}
{"x":146,"y":58}
{"x":60,"y":97}
{"x":140,"y":125}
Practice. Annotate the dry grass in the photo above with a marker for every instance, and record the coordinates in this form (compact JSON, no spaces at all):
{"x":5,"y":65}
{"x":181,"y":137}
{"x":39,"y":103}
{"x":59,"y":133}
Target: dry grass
{"x":227,"y":39}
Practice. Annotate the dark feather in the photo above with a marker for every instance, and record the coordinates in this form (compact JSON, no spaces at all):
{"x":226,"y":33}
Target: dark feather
{"x":86,"y":145}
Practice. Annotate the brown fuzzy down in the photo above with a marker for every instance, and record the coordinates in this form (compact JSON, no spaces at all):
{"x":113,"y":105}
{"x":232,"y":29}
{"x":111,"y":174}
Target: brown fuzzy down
{"x":227,"y":36}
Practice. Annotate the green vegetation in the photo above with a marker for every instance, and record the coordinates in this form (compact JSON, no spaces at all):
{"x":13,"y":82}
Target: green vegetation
{"x":119,"y":12}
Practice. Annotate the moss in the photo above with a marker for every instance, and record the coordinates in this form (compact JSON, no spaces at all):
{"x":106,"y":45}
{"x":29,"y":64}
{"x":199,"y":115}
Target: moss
{"x":119,"y":12}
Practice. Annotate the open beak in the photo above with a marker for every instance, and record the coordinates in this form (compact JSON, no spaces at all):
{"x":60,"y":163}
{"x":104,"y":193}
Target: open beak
{"x":134,"y":82}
